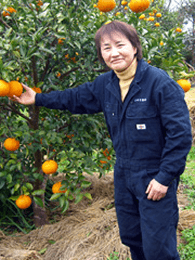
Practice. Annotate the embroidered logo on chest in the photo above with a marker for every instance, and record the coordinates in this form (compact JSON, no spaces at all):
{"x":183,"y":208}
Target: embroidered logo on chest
{"x":141,"y":127}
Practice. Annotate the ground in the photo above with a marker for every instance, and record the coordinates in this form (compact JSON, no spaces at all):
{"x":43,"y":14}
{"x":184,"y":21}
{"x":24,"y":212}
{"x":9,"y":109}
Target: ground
{"x":88,"y":231}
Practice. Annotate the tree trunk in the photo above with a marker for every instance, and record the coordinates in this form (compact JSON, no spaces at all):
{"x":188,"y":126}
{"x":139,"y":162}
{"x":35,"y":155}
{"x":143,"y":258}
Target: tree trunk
{"x":40,"y":214}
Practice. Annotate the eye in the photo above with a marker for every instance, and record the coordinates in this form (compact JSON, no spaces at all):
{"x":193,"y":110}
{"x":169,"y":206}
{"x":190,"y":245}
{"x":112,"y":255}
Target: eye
{"x":120,"y":45}
{"x":106,"y":48}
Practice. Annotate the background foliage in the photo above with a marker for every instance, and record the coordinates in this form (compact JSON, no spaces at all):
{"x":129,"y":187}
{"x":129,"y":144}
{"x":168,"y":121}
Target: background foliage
{"x":50,"y":45}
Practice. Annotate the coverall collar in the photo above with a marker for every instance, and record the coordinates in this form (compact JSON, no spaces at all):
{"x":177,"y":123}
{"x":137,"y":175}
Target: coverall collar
{"x":113,"y":85}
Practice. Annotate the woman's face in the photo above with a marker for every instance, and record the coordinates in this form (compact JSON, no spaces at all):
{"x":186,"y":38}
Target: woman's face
{"x":117,"y":51}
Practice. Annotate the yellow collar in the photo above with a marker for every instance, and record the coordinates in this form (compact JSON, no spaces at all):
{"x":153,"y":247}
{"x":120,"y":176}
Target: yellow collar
{"x":129,"y":72}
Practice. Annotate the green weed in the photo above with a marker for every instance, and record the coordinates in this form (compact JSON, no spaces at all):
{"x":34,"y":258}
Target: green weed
{"x":115,"y":256}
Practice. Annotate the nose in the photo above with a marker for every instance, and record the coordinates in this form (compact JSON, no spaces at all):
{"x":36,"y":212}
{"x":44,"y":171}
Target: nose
{"x":115,"y":52}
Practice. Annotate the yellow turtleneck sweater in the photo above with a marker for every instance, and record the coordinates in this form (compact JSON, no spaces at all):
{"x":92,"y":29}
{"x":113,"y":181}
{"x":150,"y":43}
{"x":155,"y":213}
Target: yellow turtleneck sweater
{"x":126,"y":77}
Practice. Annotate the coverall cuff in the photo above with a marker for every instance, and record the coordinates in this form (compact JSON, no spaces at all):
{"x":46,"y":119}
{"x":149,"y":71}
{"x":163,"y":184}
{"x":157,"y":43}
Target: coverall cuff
{"x":37,"y":100}
{"x":164,"y":178}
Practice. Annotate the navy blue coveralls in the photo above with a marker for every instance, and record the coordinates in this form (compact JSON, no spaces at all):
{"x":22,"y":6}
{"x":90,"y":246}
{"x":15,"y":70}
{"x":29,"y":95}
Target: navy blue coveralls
{"x":151,"y":135}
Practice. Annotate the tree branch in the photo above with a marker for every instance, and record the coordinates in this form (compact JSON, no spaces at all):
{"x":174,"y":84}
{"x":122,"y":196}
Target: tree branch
{"x":10,"y":108}
{"x":3,"y":22}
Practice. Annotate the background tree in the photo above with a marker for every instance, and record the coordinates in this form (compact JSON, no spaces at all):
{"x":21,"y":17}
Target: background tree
{"x":49,"y":45}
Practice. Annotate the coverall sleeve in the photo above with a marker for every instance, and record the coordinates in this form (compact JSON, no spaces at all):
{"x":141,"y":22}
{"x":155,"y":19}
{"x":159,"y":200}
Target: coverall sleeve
{"x":83,"y":99}
{"x":174,"y":115}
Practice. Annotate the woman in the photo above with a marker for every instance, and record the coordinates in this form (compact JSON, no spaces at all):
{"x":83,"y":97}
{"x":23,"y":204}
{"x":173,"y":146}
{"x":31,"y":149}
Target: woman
{"x":148,"y":122}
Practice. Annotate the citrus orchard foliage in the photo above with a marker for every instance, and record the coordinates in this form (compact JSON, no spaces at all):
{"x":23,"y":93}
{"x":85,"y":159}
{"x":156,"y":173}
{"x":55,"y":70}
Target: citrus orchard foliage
{"x":49,"y":45}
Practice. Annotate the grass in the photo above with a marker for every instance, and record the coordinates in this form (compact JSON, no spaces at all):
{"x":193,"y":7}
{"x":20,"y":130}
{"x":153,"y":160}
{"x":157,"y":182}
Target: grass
{"x":186,"y":249}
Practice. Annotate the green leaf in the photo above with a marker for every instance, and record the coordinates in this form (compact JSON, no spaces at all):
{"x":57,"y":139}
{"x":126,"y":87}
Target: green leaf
{"x":85,"y":184}
{"x":42,"y":251}
{"x":38,"y":201}
{"x":55,"y":196}
{"x":9,"y":178}
{"x":2,"y":183}
{"x":16,"y":187}
{"x":79,"y":197}
{"x":66,"y":206}
{"x":38,"y":192}
{"x":88,"y":195}
{"x":29,"y":186}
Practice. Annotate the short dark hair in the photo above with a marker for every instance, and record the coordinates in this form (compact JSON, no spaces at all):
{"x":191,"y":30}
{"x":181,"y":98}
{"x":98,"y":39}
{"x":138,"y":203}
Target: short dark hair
{"x":117,"y":26}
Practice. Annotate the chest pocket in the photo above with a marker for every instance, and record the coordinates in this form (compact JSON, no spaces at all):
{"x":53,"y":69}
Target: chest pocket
{"x":137,"y":110}
{"x":142,"y":123}
{"x":112,"y":117}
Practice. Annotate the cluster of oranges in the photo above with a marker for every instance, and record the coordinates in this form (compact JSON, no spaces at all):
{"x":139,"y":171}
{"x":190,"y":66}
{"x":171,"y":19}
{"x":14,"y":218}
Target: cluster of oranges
{"x":72,"y":59}
{"x":8,"y":11}
{"x":36,"y":89}
{"x":48,"y":167}
{"x":10,"y":88}
{"x":136,"y":6}
{"x":106,"y":153}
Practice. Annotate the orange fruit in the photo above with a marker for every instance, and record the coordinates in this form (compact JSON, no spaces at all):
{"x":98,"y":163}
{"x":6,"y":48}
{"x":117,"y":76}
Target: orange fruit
{"x":37,"y":90}
{"x":49,"y":167}
{"x":11,"y":10}
{"x":61,"y":40}
{"x":158,"y":15}
{"x":56,"y":188}
{"x":106,"y":5}
{"x":157,"y":24}
{"x":178,"y":29}
{"x":151,"y":19}
{"x":39,"y":3}
{"x":185,"y":84}
{"x":15,"y":88}
{"x":4,"y":88}
{"x":138,"y":6}
{"x":23,"y":202}
{"x":5,"y":14}
{"x":124,"y":2}
{"x":11,"y":144}
{"x":142,"y":16}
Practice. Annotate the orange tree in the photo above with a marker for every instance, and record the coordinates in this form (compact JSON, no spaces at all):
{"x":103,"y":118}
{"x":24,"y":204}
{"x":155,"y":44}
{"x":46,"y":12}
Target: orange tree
{"x":49,"y":45}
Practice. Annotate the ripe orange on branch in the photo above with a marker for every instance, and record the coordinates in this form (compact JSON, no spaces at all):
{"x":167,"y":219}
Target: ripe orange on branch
{"x":185,"y":84}
{"x":56,"y":188}
{"x":4,"y":88}
{"x":49,"y":167}
{"x":11,"y":144}
{"x":23,"y":202}
{"x":106,"y":5}
{"x":15,"y":88}
{"x":138,"y":6}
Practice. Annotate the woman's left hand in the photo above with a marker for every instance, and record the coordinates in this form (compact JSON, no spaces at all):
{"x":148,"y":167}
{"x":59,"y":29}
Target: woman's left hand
{"x":156,"y":191}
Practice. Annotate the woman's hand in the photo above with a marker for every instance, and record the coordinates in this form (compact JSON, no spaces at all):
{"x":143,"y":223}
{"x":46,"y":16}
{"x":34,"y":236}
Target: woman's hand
{"x":27,"y":97}
{"x":156,"y":191}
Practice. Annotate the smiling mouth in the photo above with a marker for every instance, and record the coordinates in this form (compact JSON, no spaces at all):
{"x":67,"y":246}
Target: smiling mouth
{"x":116,"y":61}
